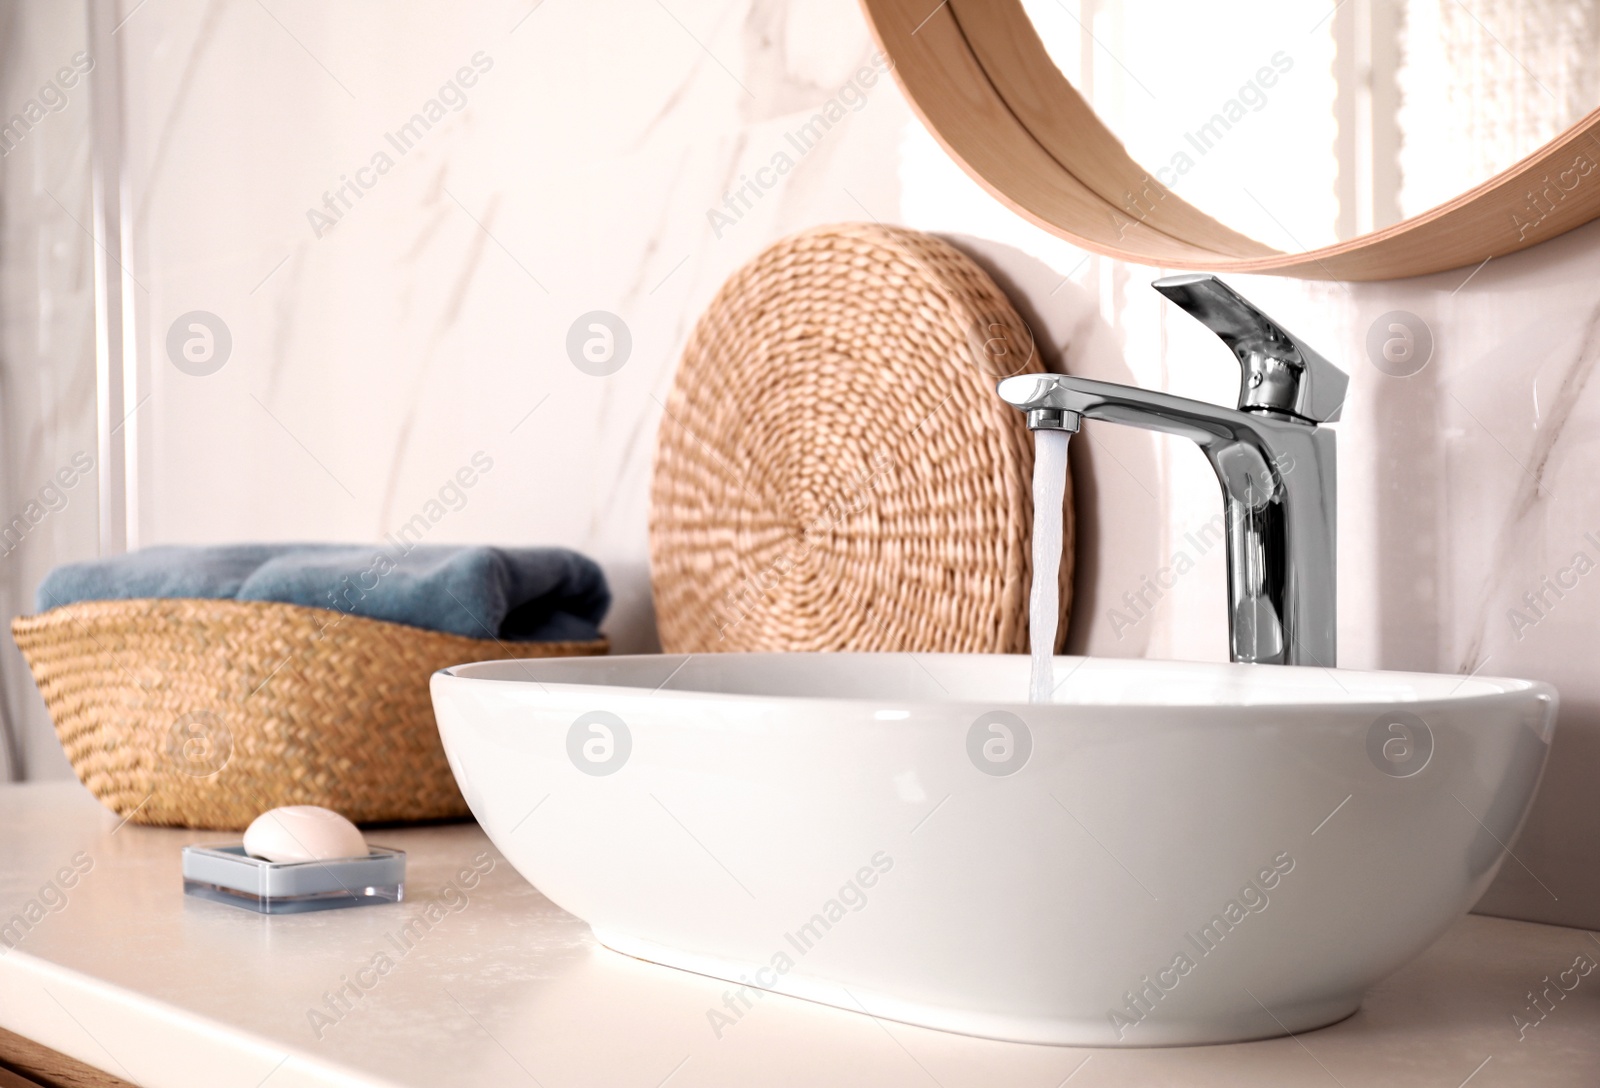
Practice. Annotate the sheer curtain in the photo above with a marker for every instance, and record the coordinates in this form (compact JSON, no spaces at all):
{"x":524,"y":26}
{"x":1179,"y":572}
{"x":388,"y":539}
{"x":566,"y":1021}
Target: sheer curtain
{"x":1376,"y":110}
{"x":1485,"y":83}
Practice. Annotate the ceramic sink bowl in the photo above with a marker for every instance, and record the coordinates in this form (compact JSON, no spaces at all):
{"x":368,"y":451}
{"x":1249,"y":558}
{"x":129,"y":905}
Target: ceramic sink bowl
{"x":1167,"y":853}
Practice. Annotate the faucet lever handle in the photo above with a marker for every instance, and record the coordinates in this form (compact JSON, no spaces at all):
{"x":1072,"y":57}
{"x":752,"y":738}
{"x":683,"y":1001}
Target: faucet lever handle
{"x":1281,"y":373}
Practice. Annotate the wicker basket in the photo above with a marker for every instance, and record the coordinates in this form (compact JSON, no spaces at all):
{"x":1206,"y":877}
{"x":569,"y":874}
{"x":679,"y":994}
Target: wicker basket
{"x":206,"y":713}
{"x":834,"y":470}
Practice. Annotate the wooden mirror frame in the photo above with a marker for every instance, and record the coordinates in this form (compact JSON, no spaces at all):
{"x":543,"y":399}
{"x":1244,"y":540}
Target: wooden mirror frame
{"x":977,"y":74}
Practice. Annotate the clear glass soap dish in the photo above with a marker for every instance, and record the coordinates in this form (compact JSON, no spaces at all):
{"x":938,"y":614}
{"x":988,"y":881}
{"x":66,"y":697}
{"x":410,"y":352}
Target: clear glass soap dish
{"x":226,"y":874}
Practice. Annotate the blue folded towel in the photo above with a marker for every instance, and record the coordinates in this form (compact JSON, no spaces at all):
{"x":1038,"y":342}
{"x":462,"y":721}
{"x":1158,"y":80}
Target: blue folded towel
{"x":522,"y":594}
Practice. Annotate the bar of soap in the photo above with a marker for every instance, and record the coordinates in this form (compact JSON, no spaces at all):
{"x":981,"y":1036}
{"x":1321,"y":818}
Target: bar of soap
{"x":303,"y":833}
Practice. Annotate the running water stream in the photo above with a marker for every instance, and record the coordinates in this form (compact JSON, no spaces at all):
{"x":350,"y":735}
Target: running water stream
{"x":1044,"y":598}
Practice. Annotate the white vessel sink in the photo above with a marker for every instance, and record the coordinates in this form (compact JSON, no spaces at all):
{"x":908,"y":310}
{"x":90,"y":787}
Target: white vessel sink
{"x":1166,"y":854}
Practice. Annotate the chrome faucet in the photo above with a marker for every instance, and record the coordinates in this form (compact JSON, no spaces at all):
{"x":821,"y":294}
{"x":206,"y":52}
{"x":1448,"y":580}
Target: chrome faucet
{"x":1275,"y":464}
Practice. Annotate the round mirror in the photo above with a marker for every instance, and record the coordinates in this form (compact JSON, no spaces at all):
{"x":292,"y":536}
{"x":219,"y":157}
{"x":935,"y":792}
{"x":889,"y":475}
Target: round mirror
{"x":1358,"y":140}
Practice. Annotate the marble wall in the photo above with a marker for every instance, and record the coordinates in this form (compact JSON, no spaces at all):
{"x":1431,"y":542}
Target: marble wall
{"x":398,"y":299}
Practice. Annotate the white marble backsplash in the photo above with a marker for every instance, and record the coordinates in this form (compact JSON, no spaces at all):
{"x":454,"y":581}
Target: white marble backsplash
{"x":400,"y":299}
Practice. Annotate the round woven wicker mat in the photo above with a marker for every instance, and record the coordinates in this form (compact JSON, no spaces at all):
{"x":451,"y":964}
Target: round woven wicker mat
{"x":834,"y":469}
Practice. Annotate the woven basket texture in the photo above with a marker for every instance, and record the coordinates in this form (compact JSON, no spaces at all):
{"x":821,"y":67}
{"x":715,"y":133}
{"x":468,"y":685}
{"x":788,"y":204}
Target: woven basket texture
{"x":206,"y":713}
{"x":834,"y":470}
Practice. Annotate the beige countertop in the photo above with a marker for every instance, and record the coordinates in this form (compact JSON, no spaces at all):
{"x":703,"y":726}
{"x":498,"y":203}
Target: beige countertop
{"x":494,"y":985}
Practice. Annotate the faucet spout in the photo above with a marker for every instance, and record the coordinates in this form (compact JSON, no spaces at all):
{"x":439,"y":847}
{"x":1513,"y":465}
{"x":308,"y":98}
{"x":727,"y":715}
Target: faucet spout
{"x":1277,"y":471}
